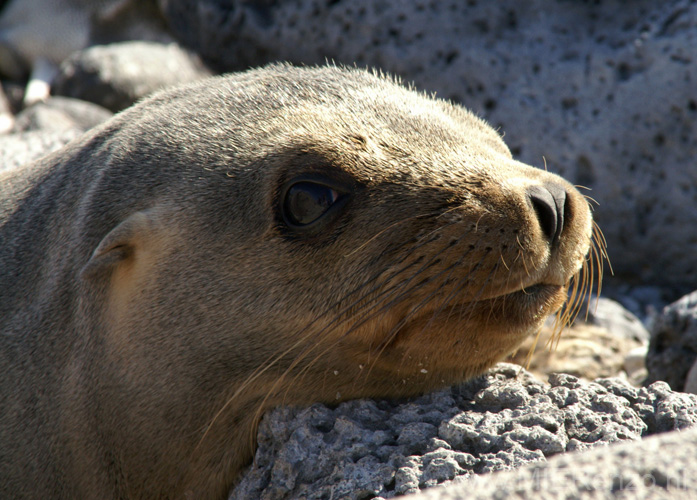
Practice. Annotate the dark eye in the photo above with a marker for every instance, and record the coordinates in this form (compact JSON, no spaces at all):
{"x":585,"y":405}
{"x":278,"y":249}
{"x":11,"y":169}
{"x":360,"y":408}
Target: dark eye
{"x":305,"y":202}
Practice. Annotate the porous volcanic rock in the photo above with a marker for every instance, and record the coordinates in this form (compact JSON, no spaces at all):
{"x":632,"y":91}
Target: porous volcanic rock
{"x":502,"y":420}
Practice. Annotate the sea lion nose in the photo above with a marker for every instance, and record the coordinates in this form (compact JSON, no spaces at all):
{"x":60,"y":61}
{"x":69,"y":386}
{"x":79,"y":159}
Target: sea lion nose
{"x":548,"y":200}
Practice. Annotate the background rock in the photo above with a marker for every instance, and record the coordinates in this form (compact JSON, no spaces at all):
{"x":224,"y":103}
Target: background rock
{"x":643,"y":301}
{"x":691,"y":379}
{"x":6,"y":115}
{"x":59,"y":114}
{"x":612,"y":316}
{"x":584,"y":351}
{"x":605,"y":93}
{"x":673,"y":347}
{"x":21,"y":148}
{"x":606,"y":341}
{"x":115,"y":76}
{"x":380,"y":449}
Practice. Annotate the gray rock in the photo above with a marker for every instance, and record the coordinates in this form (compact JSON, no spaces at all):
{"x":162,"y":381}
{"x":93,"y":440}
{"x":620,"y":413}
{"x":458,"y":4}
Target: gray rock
{"x":673,"y":346}
{"x":38,"y":29}
{"x":503,"y":420}
{"x":634,"y":364}
{"x":611,"y":315}
{"x":691,"y":379}
{"x":607,"y":341}
{"x":603,"y":92}
{"x":660,"y":467}
{"x":19,"y":149}
{"x":117,"y":75}
{"x":59,"y":114}
{"x":14,"y":93}
{"x":643,"y":301}
{"x":6,"y":115}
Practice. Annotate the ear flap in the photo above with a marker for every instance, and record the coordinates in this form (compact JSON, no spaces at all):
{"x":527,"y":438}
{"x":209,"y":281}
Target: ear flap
{"x":120,"y":243}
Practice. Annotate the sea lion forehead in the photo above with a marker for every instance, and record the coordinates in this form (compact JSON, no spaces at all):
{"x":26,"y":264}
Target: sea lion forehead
{"x":334,"y":98}
{"x":330,"y":106}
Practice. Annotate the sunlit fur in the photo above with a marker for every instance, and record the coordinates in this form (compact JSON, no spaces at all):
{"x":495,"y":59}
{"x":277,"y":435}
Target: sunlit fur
{"x":154,"y":302}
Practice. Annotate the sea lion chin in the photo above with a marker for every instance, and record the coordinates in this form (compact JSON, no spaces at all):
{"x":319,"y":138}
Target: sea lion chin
{"x":283,"y":235}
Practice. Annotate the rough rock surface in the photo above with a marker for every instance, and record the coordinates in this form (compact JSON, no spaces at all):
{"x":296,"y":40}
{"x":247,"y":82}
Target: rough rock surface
{"x":661,"y":467}
{"x":505,"y":419}
{"x":603,"y":92}
{"x":673,"y":347}
{"x":117,"y":75}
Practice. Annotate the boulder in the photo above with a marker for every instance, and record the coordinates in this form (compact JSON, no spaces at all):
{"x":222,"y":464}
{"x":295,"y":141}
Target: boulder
{"x":673,"y":346}
{"x":119,"y":74}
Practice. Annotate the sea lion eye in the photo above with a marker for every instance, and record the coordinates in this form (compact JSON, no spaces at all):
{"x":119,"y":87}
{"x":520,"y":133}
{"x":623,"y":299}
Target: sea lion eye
{"x":305,"y":202}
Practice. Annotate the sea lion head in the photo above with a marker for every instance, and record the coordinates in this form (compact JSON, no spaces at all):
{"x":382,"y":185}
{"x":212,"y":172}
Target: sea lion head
{"x":296,"y":235}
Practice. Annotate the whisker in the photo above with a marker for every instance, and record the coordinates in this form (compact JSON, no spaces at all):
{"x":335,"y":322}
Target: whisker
{"x":374,"y":311}
{"x":453,"y":292}
{"x":383,"y":231}
{"x":371,"y":312}
{"x":273,"y":360}
{"x":477,"y":296}
{"x":505,"y":265}
{"x":591,"y":199}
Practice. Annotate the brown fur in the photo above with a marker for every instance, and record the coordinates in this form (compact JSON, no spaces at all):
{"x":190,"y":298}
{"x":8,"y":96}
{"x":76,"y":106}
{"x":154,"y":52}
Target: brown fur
{"x":153,"y":302}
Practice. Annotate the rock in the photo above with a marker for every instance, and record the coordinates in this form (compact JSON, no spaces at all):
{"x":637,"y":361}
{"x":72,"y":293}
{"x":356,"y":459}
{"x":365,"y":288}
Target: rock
{"x":599,"y":348}
{"x":6,"y":116}
{"x":117,"y":75}
{"x":45,"y":127}
{"x":611,"y":315}
{"x":673,"y":347}
{"x":643,"y":301}
{"x":503,"y":420}
{"x":660,"y":467}
{"x":635,"y":364}
{"x":691,"y":380}
{"x":31,"y":30}
{"x":60,"y":114}
{"x":561,"y":79}
{"x":14,"y":93}
{"x":22,"y":148}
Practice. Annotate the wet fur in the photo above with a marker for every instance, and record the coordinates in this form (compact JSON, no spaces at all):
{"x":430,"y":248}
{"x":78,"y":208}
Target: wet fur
{"x":153,"y":303}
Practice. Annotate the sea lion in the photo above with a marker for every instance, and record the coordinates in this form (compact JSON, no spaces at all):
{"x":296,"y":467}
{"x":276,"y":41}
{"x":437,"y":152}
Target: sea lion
{"x":283,"y":235}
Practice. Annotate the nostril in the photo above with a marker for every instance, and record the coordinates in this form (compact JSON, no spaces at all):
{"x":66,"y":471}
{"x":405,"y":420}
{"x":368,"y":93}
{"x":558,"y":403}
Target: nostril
{"x":549,"y":201}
